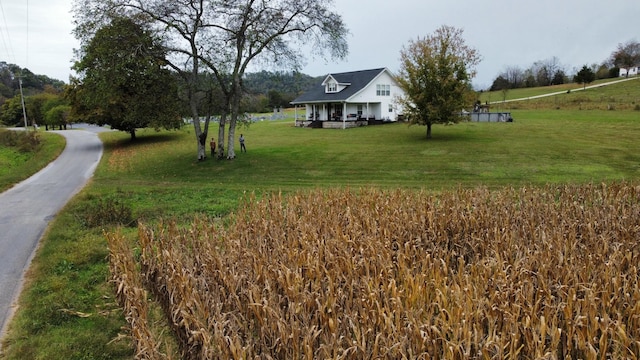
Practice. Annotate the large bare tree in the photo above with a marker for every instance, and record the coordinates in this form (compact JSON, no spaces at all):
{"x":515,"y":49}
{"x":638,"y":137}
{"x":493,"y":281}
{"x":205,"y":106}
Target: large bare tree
{"x":544,"y":70}
{"x":626,"y":55}
{"x":225,"y":37}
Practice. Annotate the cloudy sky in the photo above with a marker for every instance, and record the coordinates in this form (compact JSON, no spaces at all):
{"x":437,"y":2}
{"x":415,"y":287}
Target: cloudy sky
{"x":36,"y":34}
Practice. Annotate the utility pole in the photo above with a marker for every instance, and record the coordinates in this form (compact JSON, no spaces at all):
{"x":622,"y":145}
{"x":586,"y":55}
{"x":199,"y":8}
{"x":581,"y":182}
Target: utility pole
{"x":24,"y":110}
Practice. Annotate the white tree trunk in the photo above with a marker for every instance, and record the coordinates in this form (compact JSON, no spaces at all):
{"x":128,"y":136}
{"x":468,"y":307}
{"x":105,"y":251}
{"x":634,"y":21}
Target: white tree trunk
{"x":231,"y":154}
{"x":223,"y":121}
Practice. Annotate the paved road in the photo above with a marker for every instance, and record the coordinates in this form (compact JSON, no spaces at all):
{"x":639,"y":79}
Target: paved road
{"x":27,"y":208}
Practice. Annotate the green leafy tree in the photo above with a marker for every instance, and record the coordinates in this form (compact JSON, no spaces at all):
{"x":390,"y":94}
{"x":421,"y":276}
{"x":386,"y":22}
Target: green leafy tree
{"x":35,"y":105}
{"x":500,"y":83}
{"x":53,"y":102}
{"x":11,"y":112}
{"x":602,"y":71}
{"x":558,"y":78}
{"x":585,"y":76}
{"x":57,"y":116}
{"x":122,"y":81}
{"x":435,"y":74}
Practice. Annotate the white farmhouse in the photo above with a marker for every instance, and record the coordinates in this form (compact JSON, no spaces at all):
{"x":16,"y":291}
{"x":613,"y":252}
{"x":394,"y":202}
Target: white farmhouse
{"x":351,"y":99}
{"x":632,"y":71}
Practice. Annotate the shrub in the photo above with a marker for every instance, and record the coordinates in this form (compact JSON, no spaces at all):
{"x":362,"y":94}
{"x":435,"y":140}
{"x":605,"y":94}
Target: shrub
{"x":106,"y":212}
{"x":24,"y":141}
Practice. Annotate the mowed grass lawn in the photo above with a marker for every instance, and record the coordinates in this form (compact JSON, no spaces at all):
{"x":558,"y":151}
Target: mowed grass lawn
{"x":68,"y":308}
{"x":539,"y":147}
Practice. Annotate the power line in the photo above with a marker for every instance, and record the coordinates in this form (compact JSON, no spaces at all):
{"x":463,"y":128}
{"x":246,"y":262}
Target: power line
{"x":9,"y":48}
{"x":6,"y":42}
{"x":27,"y":42}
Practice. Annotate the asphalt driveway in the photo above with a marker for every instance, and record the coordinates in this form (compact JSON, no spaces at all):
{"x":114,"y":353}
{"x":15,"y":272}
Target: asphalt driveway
{"x":27,"y":208}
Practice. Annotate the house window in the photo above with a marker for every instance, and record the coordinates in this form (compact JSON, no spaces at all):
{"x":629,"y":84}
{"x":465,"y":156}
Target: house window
{"x":390,"y":108}
{"x":383,"y":90}
{"x":332,"y":87}
{"x":359,"y":110}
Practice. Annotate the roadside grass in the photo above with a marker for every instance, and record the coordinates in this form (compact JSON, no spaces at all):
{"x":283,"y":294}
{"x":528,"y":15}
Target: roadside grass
{"x":68,"y":310}
{"x":16,"y":165}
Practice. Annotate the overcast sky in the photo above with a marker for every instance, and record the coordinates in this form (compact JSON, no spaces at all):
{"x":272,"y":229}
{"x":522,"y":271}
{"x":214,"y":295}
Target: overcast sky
{"x":36,"y":34}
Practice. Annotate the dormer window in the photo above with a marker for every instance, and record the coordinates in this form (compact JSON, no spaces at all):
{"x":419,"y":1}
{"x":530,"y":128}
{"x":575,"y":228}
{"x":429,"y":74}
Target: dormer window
{"x":332,"y":87}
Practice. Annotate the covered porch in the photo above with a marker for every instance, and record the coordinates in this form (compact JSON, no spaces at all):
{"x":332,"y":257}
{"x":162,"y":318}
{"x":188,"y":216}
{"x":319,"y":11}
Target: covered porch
{"x":336,"y":115}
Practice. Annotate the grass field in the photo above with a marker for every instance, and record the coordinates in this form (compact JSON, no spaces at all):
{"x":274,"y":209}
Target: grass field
{"x":69,"y":311}
{"x":620,"y":96}
{"x":16,"y":165}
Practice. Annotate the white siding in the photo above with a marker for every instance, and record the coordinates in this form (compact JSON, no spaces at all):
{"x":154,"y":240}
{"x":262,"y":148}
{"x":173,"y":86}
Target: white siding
{"x":382,"y":103}
{"x":632,"y":71}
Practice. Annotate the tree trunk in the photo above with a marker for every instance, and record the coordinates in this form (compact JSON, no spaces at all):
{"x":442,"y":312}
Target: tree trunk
{"x":223,"y":122}
{"x":192,"y":91}
{"x":235,"y":109}
{"x":428,"y":130}
{"x":202,"y":150}
{"x":231,"y":154}
{"x":133,"y":134}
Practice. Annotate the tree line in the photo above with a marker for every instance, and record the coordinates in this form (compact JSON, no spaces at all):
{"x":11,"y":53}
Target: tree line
{"x":10,"y":76}
{"x":267,"y":90}
{"x":48,"y":101}
{"x":44,"y":97}
{"x":551,"y":71}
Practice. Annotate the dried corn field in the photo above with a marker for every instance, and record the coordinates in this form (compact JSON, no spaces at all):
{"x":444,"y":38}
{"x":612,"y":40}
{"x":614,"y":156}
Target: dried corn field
{"x":517,"y":273}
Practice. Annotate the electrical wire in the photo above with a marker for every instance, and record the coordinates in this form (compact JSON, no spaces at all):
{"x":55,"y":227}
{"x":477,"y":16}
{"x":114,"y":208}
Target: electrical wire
{"x":6,"y":41}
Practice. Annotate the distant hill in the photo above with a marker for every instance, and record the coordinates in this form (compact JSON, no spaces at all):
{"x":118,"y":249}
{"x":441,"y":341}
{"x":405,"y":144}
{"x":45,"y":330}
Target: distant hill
{"x":290,"y":83}
{"x":269,"y":90}
{"x":31,"y":83}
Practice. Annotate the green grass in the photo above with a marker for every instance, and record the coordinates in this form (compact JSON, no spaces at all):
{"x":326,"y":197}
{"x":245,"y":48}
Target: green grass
{"x":159,"y":177}
{"x":16,"y":166}
{"x":621,"y":96}
{"x":67,"y":309}
{"x":540,"y":146}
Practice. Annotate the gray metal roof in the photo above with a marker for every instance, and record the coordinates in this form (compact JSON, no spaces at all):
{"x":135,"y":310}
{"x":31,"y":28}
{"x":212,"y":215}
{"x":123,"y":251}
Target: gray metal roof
{"x":358,"y":80}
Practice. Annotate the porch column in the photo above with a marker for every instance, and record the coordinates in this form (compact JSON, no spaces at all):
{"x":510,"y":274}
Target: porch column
{"x":344,"y":115}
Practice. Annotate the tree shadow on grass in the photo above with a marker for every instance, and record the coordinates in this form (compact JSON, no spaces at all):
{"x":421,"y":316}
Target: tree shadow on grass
{"x":440,"y":137}
{"x":142,"y":140}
